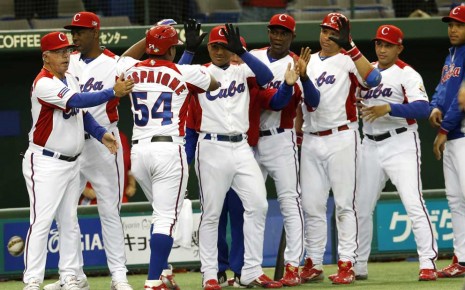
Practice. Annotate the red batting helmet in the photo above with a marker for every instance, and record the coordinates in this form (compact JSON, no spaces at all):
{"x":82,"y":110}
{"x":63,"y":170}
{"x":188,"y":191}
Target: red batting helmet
{"x":330,"y":20}
{"x":160,"y":38}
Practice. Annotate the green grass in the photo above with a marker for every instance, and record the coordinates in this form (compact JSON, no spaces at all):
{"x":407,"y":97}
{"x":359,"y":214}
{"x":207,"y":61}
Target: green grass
{"x":382,"y":276}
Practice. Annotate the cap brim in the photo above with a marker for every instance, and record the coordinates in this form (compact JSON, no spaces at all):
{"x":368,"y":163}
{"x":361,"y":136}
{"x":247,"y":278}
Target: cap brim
{"x":449,"y":19}
{"x":280,"y":26}
{"x":218,"y":41}
{"x":329,"y":27}
{"x":69,"y":27}
{"x":385,"y":40}
{"x":61,"y":46}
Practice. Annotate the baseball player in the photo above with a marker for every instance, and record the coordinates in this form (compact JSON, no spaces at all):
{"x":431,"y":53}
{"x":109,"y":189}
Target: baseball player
{"x":50,"y":168}
{"x":159,"y":104}
{"x":224,"y":158}
{"x":329,"y":153}
{"x":95,"y":68}
{"x":447,"y":116}
{"x":276,"y":151}
{"x":391,"y":150}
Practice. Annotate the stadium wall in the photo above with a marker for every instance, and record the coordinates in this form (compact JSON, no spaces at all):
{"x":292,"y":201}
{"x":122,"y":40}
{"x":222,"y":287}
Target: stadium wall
{"x":426,"y":46}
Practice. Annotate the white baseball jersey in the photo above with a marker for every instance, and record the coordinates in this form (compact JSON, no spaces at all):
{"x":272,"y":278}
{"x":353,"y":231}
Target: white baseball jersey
{"x":336,"y":79}
{"x":284,"y":118}
{"x":93,"y":77}
{"x":401,"y":84}
{"x":48,"y":94}
{"x":225,"y":110}
{"x":159,"y":95}
{"x":97,"y":75}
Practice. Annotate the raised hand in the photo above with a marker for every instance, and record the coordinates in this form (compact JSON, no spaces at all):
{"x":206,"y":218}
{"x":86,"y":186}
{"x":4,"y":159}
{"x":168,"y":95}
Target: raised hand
{"x":292,"y":74}
{"x":123,"y":87}
{"x":193,"y":37}
{"x":302,"y":62}
{"x":234,"y":39}
{"x":344,"y":40}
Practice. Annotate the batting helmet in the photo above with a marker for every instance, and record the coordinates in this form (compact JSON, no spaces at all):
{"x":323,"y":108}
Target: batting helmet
{"x":160,"y":38}
{"x":330,"y":20}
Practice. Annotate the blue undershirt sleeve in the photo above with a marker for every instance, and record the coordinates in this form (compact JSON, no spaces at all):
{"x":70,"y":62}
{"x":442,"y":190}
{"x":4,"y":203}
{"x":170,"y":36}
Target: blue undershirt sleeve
{"x":186,"y":57}
{"x":86,"y":100}
{"x":262,"y":73}
{"x":282,"y":97}
{"x":191,"y":143}
{"x":92,"y":127}
{"x":311,"y":94}
{"x":414,"y":110}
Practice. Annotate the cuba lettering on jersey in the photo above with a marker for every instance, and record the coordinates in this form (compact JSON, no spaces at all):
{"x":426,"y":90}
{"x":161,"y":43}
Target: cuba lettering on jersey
{"x":225,"y":110}
{"x":159,"y":95}
{"x":337,"y":79}
{"x":401,"y":84}
{"x":93,"y":77}
{"x":284,"y":118}
{"x":49,"y":96}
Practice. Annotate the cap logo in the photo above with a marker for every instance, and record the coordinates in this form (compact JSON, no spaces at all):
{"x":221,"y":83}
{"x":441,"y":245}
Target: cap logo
{"x":456,"y":10}
{"x":333,"y":19}
{"x":385,"y":31}
{"x":282,"y":17}
{"x":220,"y":32}
{"x":77,"y":17}
{"x":94,"y":23}
{"x":62,"y":36}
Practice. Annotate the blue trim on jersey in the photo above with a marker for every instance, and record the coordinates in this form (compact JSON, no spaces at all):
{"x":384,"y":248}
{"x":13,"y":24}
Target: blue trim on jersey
{"x":445,"y":96}
{"x":90,"y":99}
{"x":413,"y":110}
{"x":262,"y":73}
{"x":282,"y":97}
{"x":191,"y":143}
{"x":92,"y":127}
{"x":186,"y":57}
{"x":311,"y":94}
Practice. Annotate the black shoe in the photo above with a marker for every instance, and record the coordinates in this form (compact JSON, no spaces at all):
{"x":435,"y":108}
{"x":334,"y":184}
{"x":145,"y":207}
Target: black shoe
{"x":222,"y":279}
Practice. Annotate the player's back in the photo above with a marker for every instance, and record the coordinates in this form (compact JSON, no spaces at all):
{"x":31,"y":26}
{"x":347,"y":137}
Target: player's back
{"x":159,"y":96}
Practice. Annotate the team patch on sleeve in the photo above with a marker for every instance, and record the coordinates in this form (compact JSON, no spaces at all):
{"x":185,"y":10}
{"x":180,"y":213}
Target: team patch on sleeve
{"x":63,"y":92}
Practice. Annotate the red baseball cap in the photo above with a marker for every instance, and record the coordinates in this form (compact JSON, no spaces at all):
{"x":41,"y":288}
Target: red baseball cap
{"x":389,"y":33}
{"x":84,"y":20}
{"x":54,"y":41}
{"x":283,"y":20}
{"x":456,"y":14}
{"x":217,"y":35}
{"x":330,"y":20}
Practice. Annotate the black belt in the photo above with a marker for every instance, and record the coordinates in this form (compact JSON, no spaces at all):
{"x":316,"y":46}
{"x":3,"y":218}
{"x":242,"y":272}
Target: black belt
{"x":61,"y":157}
{"x":157,"y":139}
{"x":233,"y":138}
{"x":386,"y":135}
{"x":86,"y":136}
{"x":270,"y":132}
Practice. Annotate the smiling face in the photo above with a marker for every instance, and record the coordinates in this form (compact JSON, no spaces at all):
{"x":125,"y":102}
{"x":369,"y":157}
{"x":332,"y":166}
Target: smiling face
{"x":219,"y":55}
{"x":456,"y":32}
{"x":280,"y":41}
{"x":387,"y":53}
{"x":57,"y":61}
{"x":328,"y":47}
